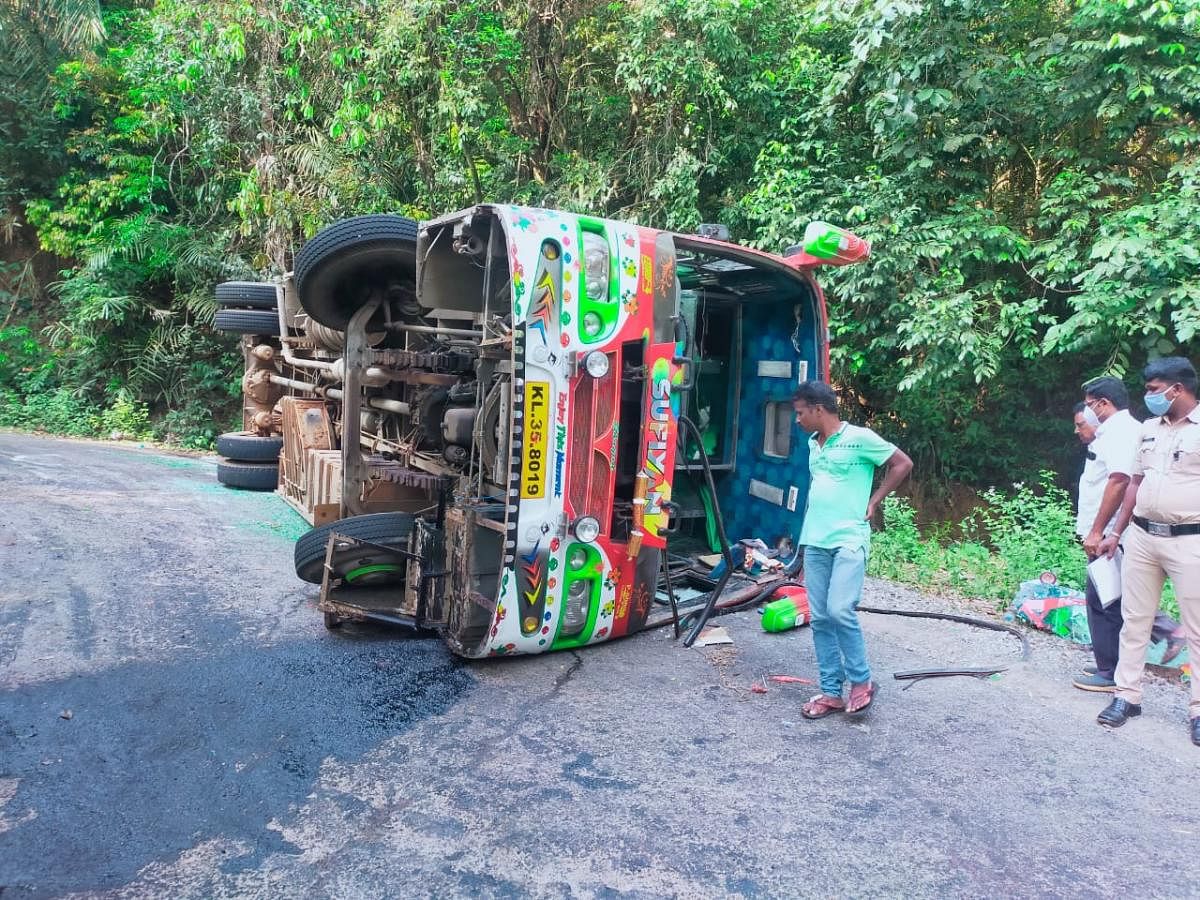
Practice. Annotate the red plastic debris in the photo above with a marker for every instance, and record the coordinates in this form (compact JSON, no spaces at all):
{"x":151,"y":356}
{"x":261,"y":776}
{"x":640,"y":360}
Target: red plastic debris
{"x":791,"y":679}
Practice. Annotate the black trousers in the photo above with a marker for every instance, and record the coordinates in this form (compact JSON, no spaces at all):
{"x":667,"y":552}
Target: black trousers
{"x":1105,"y":625}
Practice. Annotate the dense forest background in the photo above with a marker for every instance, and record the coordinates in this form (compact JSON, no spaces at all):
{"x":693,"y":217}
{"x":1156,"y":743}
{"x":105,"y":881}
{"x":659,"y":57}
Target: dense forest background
{"x":1028,"y":171}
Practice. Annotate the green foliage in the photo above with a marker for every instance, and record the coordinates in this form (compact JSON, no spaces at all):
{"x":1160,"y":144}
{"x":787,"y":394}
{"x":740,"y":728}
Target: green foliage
{"x":23,"y":361}
{"x":1027,"y":173}
{"x":1013,"y":537}
{"x":193,"y":426}
{"x":1033,"y":530}
{"x":127,"y":418}
{"x":35,"y":37}
{"x":57,"y":411}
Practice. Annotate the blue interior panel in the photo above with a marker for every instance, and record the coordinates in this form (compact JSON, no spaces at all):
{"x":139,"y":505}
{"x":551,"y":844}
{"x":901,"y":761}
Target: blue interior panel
{"x":767,"y":332}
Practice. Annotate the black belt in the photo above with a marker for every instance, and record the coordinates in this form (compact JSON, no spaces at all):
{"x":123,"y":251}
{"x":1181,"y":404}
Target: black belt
{"x":1162,"y":529}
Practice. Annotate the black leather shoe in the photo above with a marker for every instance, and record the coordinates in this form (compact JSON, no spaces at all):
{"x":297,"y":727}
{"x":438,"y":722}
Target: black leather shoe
{"x":1196,"y":731}
{"x":1118,"y":713}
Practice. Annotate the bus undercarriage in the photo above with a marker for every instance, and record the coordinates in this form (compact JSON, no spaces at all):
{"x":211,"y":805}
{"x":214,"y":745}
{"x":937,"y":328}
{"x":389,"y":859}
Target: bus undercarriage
{"x":523,"y":428}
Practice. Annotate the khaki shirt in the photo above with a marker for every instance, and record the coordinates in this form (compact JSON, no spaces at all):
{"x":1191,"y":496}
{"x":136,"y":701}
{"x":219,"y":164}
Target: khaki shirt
{"x":1168,"y":460}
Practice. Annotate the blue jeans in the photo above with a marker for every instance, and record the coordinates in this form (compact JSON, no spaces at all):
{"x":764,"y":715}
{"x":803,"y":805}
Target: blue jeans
{"x":834,"y":579}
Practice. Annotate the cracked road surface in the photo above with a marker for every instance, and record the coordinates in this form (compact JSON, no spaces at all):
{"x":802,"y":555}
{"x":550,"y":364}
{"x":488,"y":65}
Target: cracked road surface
{"x":176,"y":722}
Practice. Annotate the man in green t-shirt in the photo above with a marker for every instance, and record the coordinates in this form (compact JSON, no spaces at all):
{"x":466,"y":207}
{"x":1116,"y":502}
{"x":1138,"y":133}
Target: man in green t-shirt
{"x":842,"y":459}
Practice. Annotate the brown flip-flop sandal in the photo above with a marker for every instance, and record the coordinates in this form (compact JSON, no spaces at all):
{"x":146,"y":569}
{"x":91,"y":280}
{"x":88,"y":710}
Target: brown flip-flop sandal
{"x":856,"y":692}
{"x":821,"y":706}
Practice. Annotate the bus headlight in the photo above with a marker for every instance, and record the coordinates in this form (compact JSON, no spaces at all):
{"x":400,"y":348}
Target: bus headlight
{"x":576,"y":557}
{"x":577,"y":608}
{"x":587,"y":529}
{"x":592,"y":324}
{"x":596,"y":266}
{"x":596,"y":362}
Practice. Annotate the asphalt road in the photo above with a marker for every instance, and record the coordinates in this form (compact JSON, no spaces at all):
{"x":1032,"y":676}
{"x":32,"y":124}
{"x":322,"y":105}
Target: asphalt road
{"x":176,"y":722}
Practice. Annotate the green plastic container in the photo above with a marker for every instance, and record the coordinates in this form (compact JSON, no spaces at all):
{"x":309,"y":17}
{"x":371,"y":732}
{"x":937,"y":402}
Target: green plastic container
{"x":786,"y":612}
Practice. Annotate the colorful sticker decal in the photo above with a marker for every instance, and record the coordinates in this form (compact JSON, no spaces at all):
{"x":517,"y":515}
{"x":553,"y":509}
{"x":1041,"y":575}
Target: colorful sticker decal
{"x":560,"y":443}
{"x":518,"y":277}
{"x":545,"y":294}
{"x":537,"y":439}
{"x":634,"y":595}
{"x":583,"y":618}
{"x":539,"y":314}
{"x":533,"y":592}
{"x":659,"y":459}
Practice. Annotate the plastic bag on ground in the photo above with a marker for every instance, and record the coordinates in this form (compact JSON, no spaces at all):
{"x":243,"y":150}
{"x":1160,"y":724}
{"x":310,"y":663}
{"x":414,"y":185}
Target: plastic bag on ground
{"x":1053,"y":607}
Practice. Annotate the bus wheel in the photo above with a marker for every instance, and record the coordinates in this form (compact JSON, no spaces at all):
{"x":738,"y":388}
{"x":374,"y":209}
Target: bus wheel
{"x":360,"y":566}
{"x":344,"y":264}
{"x":252,"y":476}
{"x":246,"y":295}
{"x":244,"y":446}
{"x":247,"y":321}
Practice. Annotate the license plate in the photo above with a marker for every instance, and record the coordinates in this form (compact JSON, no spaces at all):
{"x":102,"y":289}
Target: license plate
{"x":534,"y":458}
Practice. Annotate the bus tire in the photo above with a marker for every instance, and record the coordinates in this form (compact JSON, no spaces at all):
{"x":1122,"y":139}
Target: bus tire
{"x":242,"y":446}
{"x":250,"y":476}
{"x":247,"y":295}
{"x":338,"y":269}
{"x":247,"y":321}
{"x":390,"y":529}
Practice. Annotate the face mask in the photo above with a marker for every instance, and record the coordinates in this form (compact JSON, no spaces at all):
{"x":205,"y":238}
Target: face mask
{"x":1158,"y":404}
{"x":1092,"y":420}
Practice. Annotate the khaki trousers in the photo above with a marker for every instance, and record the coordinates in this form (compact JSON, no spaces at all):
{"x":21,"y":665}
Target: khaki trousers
{"x":1149,"y":561}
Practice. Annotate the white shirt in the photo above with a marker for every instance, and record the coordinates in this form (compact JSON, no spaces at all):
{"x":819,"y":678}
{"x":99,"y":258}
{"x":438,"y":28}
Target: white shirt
{"x":1115,"y":448}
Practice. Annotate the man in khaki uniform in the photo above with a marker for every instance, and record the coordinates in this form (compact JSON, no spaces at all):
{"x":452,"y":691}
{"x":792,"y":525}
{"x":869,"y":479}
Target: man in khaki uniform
{"x":1163,"y":503}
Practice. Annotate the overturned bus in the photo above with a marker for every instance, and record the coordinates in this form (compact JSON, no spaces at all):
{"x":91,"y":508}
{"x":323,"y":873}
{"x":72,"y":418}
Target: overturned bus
{"x":526,"y":428}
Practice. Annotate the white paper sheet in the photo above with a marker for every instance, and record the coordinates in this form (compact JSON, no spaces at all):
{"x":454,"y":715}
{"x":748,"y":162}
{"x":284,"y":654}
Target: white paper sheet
{"x":1106,"y":576}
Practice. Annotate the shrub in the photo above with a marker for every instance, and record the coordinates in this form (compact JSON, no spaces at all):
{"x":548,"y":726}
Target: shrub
{"x":1013,"y":538}
{"x":127,"y":418}
{"x":1033,"y":530}
{"x":57,"y":411}
{"x":192,"y":426}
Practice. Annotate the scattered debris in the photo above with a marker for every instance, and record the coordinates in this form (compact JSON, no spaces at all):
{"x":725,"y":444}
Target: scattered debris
{"x":713,"y":635}
{"x":723,"y":658}
{"x":1052,"y":607}
{"x":791,"y":679}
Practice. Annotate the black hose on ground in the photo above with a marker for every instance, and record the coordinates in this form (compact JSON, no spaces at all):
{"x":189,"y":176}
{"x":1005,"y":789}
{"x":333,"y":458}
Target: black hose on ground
{"x":715,"y":593}
{"x":916,"y":675}
{"x":952,"y":617}
{"x":666,"y":567}
{"x":913,"y":675}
